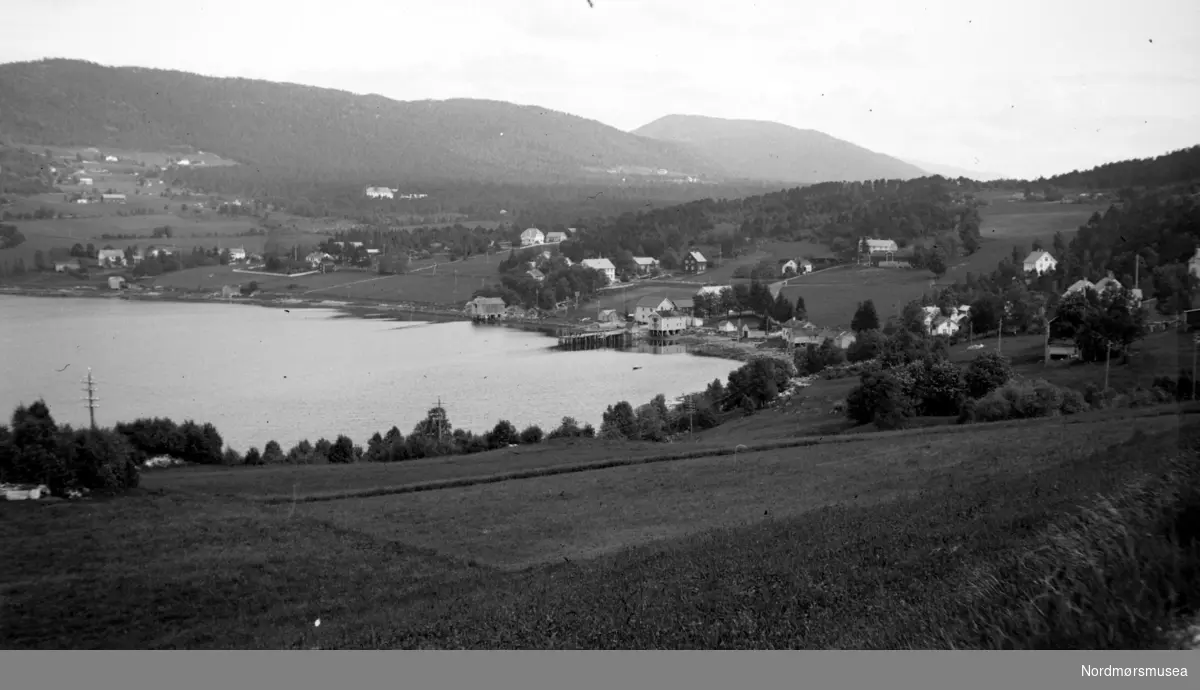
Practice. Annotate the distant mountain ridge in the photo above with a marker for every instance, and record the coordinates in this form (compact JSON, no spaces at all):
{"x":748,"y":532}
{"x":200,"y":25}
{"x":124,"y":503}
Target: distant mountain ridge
{"x":324,"y":131}
{"x":757,"y":149}
{"x":953,"y":172}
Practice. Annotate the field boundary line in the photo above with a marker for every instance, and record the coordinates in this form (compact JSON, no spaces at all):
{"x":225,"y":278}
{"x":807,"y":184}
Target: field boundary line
{"x":552,"y":470}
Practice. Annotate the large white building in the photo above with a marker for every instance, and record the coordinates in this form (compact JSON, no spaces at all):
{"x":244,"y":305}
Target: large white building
{"x":603,"y":265}
{"x":380,"y":193}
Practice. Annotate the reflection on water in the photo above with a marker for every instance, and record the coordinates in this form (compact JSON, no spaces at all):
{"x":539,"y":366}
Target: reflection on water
{"x":660,"y":346}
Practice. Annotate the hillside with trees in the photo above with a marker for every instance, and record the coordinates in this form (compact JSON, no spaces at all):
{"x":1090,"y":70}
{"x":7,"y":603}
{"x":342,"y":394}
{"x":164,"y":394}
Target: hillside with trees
{"x":315,"y":131}
{"x":1182,"y":166}
{"x":761,"y":150}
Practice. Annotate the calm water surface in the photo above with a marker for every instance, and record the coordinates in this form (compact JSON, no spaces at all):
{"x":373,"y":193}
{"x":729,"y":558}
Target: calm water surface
{"x":260,"y":373}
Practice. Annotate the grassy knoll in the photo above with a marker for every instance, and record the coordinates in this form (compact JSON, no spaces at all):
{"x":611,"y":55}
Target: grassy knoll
{"x":897,"y":542}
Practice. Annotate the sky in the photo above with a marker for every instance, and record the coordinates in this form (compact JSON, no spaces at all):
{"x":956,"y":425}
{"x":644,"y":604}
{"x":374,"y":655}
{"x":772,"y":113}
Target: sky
{"x":1020,"y":88}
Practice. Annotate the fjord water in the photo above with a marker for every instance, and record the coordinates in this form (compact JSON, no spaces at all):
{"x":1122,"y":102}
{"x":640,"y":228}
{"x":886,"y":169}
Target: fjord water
{"x":260,"y":373}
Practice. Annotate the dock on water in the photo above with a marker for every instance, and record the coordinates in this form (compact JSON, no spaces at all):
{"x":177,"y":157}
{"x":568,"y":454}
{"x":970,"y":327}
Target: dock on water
{"x":593,"y":338}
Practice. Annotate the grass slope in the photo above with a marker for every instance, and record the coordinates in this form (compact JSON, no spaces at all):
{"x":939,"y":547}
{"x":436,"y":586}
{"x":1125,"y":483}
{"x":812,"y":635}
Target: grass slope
{"x":894,"y":542}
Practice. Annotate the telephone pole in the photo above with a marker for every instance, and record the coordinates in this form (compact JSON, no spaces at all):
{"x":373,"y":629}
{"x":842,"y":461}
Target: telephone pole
{"x":91,"y":399}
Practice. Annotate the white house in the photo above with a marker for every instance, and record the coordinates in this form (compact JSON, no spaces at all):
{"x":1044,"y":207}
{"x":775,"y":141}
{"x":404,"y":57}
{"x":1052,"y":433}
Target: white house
{"x":185,"y":162}
{"x":603,"y":265}
{"x":532,"y":236}
{"x":111,"y":159}
{"x":555,"y":237}
{"x":113,"y":198}
{"x":804,"y":266}
{"x":237,"y":253}
{"x":115,"y":282}
{"x":85,"y":181}
{"x":726,"y":327}
{"x":881,"y":246}
{"x":649,"y":306}
{"x":380,"y":193}
{"x":645,"y":264}
{"x":937,"y":323}
{"x":316,"y":258}
{"x":111,"y":257}
{"x":787,"y":265}
{"x":1039,"y":262}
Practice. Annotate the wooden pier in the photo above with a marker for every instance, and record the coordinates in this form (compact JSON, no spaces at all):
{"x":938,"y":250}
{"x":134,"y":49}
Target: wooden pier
{"x":593,"y":338}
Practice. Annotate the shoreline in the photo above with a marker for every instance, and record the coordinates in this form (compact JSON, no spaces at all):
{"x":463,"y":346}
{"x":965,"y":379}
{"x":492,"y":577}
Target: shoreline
{"x":698,"y":345}
{"x":391,"y":311}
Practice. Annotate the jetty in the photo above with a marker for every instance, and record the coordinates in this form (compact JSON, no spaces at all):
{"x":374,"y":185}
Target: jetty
{"x":593,"y":338}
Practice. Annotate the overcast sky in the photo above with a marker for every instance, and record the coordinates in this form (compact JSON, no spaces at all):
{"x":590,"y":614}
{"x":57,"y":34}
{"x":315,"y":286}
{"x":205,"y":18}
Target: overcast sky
{"x":1022,"y":88}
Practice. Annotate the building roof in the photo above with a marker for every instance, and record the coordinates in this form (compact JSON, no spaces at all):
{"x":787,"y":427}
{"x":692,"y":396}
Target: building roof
{"x":874,"y":244}
{"x":684,"y":303}
{"x":698,"y":257}
{"x":653,"y":302}
{"x":644,"y":260}
{"x":1081,"y":284}
{"x":531,"y":232}
{"x":1034,"y":257}
{"x":713,"y":289}
{"x":480,"y":301}
{"x":599,"y":264}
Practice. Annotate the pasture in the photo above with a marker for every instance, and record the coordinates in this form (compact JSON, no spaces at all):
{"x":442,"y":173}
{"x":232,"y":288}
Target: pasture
{"x":894,"y":540}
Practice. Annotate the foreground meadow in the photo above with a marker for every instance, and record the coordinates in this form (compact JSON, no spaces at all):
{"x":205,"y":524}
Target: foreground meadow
{"x":894,"y":541}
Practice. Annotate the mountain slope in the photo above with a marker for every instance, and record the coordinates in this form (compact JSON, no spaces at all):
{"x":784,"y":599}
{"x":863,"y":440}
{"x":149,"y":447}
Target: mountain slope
{"x":302,"y":128}
{"x":953,"y":172}
{"x":771,"y":151}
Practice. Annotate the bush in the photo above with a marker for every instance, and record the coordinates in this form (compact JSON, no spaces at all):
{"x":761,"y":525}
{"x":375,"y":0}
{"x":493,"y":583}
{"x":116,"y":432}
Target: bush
{"x":253,"y":457}
{"x":986,"y":373}
{"x":342,"y":451}
{"x":531,"y":434}
{"x":880,"y":398}
{"x":504,"y":434}
{"x":231,"y":457}
{"x":938,"y":388}
{"x":272,"y":454}
{"x":1025,"y":400}
{"x":866,"y":346}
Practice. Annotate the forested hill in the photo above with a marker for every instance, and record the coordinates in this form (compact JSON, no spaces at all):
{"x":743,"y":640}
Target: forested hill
{"x":772,"y":151}
{"x":1177,"y":167}
{"x":317,"y":133}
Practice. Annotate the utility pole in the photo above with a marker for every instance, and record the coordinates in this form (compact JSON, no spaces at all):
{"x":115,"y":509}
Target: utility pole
{"x":1000,"y":337}
{"x":1107,"y":357}
{"x":1048,"y":322}
{"x":91,"y":399}
{"x":1195,"y":345}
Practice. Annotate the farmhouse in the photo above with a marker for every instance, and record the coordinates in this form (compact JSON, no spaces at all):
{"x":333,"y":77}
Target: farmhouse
{"x":111,"y":257}
{"x":555,"y":237}
{"x":113,"y":198}
{"x":603,"y":265}
{"x":665,"y":325}
{"x":649,"y":306}
{"x":695,"y":262}
{"x":111,"y":159}
{"x":532,"y":236}
{"x":804,"y":266}
{"x":1039,"y":262}
{"x":85,"y":181}
{"x":937,"y":323}
{"x":687,"y":307}
{"x":788,"y":266}
{"x":726,"y":327}
{"x":645,"y":264}
{"x":237,"y":253}
{"x":228,"y":291}
{"x":486,"y":308}
{"x":536,"y":275}
{"x":380,"y":193}
{"x":64,"y":266}
{"x":115,"y":282}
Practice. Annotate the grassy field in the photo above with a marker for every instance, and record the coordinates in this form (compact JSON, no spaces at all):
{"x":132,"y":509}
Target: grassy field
{"x":889,"y":542}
